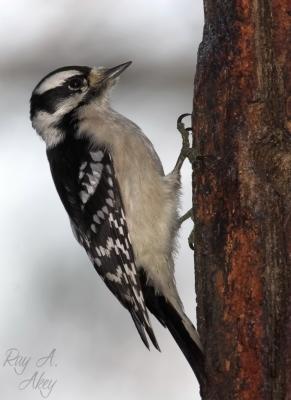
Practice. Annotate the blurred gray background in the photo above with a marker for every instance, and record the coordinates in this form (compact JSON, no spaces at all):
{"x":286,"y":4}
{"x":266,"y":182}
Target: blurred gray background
{"x":50,"y":295}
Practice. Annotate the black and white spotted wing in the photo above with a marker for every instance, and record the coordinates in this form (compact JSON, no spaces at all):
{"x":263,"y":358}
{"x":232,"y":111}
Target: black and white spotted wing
{"x":86,"y":182}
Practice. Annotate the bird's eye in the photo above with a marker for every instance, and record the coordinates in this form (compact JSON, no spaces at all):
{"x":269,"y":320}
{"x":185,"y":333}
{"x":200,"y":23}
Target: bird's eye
{"x":76,"y":83}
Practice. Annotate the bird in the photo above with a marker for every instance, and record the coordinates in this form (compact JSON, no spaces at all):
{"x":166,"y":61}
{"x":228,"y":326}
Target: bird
{"x":122,"y":208}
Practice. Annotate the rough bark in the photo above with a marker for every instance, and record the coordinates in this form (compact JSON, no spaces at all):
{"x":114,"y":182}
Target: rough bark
{"x":242,"y":198}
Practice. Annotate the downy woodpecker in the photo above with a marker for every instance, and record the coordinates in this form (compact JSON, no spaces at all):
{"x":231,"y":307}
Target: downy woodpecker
{"x":121,"y":206}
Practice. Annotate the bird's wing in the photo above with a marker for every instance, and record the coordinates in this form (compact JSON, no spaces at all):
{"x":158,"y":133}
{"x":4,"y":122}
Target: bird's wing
{"x":98,"y":220}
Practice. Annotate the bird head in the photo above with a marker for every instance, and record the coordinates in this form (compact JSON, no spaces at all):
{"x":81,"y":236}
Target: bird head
{"x":62,"y":92}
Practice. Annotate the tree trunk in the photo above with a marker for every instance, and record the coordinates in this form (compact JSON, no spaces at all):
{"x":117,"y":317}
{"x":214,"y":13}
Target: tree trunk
{"x":242,"y":198}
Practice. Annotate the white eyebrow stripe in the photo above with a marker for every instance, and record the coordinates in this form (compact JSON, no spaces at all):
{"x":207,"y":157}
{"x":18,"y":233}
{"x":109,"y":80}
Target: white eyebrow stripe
{"x":55,"y":80}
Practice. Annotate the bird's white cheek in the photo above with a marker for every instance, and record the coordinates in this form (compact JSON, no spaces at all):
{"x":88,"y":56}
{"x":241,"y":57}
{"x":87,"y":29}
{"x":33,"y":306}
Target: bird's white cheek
{"x":67,"y":105}
{"x":44,"y":124}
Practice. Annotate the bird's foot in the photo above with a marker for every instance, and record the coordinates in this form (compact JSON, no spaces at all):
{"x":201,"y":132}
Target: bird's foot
{"x":191,"y":153}
{"x":183,"y":218}
{"x":187,"y":215}
{"x":187,"y":151}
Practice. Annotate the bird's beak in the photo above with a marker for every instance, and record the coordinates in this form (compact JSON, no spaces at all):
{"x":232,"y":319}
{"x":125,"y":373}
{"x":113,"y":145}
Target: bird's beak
{"x":102,"y":75}
{"x":112,"y":73}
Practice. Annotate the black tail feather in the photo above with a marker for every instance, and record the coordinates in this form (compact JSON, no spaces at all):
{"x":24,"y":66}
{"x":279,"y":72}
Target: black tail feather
{"x":168,"y":316}
{"x":190,"y":349}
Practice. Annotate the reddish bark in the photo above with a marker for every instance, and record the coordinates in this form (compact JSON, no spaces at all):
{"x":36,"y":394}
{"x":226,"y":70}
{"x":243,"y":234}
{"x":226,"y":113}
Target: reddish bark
{"x":242,"y":198}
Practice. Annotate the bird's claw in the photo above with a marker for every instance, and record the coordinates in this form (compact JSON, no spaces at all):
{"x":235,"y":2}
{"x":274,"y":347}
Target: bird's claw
{"x":181,"y":128}
{"x":191,"y":239}
{"x":186,"y":149}
{"x":182,"y":116}
{"x":186,"y":152}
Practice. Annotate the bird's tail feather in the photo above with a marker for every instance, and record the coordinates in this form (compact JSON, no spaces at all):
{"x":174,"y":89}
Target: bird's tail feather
{"x":186,"y":338}
{"x":179,"y":325}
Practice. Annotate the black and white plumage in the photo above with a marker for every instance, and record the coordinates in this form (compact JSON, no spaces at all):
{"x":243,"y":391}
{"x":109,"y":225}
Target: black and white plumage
{"x":90,"y":194}
{"x":122,"y":208}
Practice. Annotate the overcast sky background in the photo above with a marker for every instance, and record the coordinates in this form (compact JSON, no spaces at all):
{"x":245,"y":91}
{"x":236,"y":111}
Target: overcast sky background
{"x":50,"y":295}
